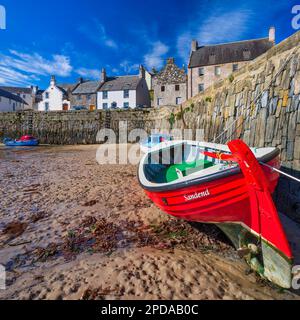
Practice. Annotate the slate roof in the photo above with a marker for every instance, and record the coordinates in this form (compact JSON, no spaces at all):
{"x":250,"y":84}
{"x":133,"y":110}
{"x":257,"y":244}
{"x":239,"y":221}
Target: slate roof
{"x":121,"y":83}
{"x":16,"y":90}
{"x":9,"y":95}
{"x":66,"y":87}
{"x":87,"y":87}
{"x":229,"y":52}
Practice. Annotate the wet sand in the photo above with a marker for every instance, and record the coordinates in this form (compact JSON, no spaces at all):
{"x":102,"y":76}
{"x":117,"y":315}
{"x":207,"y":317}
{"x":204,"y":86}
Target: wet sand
{"x":73,"y":229}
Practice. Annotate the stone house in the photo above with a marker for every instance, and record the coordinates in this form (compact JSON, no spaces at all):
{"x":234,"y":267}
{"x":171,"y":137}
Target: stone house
{"x":209,"y":64}
{"x":84,"y":95}
{"x":169,"y":85}
{"x":11,"y":102}
{"x":123,"y":91}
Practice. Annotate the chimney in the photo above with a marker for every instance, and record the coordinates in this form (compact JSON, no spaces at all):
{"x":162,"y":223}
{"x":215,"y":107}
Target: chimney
{"x":170,"y":61}
{"x":194,"y":46}
{"x":80,"y":80}
{"x":34,"y":89}
{"x":272,"y":34}
{"x":142,"y":73}
{"x":103,"y":75}
{"x":53,"y":81}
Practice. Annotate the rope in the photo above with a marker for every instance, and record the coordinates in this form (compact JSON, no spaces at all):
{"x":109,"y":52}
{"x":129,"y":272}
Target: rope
{"x":255,"y":100}
{"x":279,"y":171}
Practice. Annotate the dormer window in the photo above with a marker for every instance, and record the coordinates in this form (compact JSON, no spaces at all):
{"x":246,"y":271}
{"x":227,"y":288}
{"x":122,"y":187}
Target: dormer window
{"x":212,"y":58}
{"x":246,"y":54}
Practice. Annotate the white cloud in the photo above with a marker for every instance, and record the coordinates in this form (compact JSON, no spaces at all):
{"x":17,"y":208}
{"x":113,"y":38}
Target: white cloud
{"x":98,"y":35}
{"x":14,"y":78}
{"x":155,"y":58}
{"x":88,"y":73}
{"x":228,"y":26}
{"x":128,"y":66}
{"x":217,"y":27}
{"x":23,"y":69}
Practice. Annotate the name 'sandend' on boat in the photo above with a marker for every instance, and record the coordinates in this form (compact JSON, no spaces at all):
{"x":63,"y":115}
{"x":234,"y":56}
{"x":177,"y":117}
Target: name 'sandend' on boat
{"x":225,"y":185}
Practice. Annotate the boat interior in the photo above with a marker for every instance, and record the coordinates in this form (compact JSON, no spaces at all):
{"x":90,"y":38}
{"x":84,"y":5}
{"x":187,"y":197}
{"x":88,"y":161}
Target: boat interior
{"x":181,"y":161}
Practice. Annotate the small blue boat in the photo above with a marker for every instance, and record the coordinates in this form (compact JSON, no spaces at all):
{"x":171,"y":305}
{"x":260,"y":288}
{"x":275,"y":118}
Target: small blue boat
{"x":32,"y":142}
{"x":153,"y":141}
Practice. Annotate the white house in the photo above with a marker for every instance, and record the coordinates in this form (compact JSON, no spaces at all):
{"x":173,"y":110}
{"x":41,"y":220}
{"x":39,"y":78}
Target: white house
{"x":123,"y":91}
{"x":55,"y":97}
{"x":10,"y":102}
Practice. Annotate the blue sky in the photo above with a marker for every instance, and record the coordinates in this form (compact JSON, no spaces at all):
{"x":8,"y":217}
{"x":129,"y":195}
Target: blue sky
{"x":77,"y":38}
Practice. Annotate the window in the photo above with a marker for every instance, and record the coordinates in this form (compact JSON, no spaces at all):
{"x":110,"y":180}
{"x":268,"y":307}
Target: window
{"x":235,"y":67}
{"x":201,"y":87}
{"x":104,"y":95}
{"x":201,"y":72}
{"x":126,"y":105}
{"x":126,"y":94}
{"x":177,"y":87}
{"x":79,"y":97}
{"x":217,"y":70}
{"x":159,"y":101}
{"x":24,"y":96}
{"x":104,"y":106}
{"x":88,"y":97}
{"x":47,"y":95}
{"x":114,"y":105}
{"x":162,"y":88}
{"x":46,"y":106}
{"x":178,"y":100}
{"x":14,"y":106}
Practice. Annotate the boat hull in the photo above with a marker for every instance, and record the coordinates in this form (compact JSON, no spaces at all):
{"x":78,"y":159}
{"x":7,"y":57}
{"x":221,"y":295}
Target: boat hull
{"x":218,"y":201}
{"x":13,"y":143}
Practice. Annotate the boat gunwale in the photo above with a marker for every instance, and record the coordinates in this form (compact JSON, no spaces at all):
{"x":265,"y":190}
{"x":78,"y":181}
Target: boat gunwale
{"x":201,"y":180}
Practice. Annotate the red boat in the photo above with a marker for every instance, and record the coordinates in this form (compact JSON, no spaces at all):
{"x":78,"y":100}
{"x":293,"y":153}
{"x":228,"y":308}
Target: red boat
{"x":228,"y":186}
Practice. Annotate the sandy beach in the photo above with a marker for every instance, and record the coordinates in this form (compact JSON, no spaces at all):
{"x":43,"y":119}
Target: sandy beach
{"x":73,"y":229}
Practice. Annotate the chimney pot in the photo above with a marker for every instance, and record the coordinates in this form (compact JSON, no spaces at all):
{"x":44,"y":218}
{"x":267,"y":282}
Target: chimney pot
{"x":53,"y":81}
{"x":272,"y":34}
{"x":194,"y":46}
{"x":142,"y":73}
{"x":103,"y":75}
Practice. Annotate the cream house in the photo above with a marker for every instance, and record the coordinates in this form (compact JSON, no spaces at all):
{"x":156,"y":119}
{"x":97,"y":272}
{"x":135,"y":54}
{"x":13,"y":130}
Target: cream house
{"x":211,"y":63}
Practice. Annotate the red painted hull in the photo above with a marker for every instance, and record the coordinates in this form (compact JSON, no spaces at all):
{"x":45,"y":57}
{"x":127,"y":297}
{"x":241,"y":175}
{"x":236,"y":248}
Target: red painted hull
{"x":228,"y":199}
